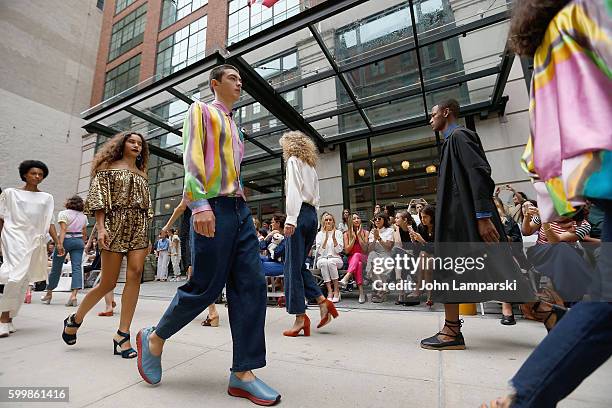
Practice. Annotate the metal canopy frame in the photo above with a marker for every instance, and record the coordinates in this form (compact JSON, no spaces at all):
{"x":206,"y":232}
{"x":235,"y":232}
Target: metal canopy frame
{"x":260,"y":90}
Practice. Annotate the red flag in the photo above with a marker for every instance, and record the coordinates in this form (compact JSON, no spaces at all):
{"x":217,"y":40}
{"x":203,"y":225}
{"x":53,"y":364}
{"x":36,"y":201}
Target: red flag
{"x":267,"y":3}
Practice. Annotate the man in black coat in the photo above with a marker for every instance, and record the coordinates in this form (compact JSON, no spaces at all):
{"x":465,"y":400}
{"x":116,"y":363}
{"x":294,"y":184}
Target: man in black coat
{"x":466,"y":216}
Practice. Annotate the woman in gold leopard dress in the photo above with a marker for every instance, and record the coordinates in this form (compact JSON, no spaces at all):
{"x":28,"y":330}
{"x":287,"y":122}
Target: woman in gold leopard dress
{"x":120,"y":201}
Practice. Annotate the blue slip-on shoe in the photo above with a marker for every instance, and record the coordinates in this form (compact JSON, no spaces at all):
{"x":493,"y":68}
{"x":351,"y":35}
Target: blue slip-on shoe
{"x":257,"y":391}
{"x":149,"y":366}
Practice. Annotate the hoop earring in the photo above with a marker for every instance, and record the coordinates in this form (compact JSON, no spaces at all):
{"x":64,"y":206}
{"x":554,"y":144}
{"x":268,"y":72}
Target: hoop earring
{"x":139,"y":158}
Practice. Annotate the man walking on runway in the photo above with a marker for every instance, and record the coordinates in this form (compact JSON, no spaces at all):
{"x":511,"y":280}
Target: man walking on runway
{"x":225,"y":249}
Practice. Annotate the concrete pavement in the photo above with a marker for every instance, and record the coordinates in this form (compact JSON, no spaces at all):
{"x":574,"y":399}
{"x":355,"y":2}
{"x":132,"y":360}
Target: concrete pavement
{"x":366,"y":358}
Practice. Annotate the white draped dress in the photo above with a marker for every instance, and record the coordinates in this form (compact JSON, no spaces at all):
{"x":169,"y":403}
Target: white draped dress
{"x":27,"y":216}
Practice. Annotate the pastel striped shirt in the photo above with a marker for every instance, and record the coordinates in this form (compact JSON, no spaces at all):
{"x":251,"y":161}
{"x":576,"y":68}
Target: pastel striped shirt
{"x":569,"y":151}
{"x":213,"y":149}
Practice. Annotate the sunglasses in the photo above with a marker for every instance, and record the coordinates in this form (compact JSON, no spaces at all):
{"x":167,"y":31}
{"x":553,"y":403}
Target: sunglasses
{"x":378,"y":219}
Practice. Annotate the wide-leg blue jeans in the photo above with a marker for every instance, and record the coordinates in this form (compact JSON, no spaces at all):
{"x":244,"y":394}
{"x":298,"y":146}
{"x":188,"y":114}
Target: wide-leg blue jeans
{"x":578,"y":344}
{"x":74,"y":247}
{"x":299,"y":282}
{"x":230,"y":259}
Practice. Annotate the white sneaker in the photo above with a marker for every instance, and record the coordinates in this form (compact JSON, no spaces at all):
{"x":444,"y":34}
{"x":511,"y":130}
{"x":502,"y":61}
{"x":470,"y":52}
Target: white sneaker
{"x":4,"y":329}
{"x":362,"y":298}
{"x":11,"y":327}
{"x":336,"y":299}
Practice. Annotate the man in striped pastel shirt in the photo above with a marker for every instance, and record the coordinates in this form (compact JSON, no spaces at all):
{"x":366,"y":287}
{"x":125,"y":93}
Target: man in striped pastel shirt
{"x":225,"y":249}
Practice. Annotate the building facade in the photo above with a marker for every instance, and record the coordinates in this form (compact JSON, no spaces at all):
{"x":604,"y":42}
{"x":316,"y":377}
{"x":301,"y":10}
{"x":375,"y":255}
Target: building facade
{"x":47,"y":69}
{"x":142,"y":42}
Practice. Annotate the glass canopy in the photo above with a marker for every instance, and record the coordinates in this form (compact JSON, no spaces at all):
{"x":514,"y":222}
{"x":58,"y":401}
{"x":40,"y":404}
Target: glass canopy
{"x":337,"y":71}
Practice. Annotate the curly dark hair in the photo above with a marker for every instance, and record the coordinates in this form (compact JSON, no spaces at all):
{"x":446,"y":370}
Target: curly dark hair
{"x":112,"y":151}
{"x":26,"y":165}
{"x":530,"y":19}
{"x":75,"y":203}
{"x":280,"y":218}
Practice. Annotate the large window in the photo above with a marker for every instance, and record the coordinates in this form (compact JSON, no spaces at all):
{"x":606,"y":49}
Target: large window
{"x":127,"y":32}
{"x":122,"y":77}
{"x":182,"y":48}
{"x":245,"y":21}
{"x":281,"y":68}
{"x":121,"y":5}
{"x":174,"y":10}
{"x":276,"y":70}
{"x":391,"y":169}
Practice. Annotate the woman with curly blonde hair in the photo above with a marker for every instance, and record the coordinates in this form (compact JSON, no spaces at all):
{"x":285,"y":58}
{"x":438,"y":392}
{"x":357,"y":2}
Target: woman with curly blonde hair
{"x":302,"y":192}
{"x":120,"y":201}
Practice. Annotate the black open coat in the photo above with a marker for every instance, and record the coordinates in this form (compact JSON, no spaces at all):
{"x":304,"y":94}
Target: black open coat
{"x":465,"y":187}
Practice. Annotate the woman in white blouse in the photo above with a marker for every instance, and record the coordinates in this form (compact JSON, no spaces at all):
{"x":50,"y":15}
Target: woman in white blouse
{"x":329,"y":244}
{"x":380,"y":244}
{"x":302,"y":190}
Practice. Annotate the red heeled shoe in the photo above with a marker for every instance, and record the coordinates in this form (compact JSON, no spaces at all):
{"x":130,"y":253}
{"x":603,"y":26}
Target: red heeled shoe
{"x":305,"y":327}
{"x":332,"y":314}
{"x":108,"y":314}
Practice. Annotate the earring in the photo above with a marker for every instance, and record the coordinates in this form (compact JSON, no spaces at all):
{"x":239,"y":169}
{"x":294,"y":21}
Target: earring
{"x":139,"y":157}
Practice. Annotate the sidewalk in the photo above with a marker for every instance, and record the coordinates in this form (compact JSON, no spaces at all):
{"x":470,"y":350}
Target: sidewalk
{"x":366,"y":358}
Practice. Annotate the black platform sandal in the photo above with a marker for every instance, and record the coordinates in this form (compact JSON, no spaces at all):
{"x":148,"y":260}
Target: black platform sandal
{"x":70,"y":339}
{"x":129,"y":353}
{"x":556,"y":313}
{"x":458,"y":343}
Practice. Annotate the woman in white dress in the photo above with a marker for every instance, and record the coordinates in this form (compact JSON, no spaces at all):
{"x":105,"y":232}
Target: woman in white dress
{"x":380,"y":244}
{"x":26,"y":215}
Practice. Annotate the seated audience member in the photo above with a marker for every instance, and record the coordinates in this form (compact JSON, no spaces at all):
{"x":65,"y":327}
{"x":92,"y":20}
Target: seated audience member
{"x":277,"y":225}
{"x":272,"y":263}
{"x":415,"y":207}
{"x":329,"y":244}
{"x":390,"y":211}
{"x":265,"y":225}
{"x":556,"y":254}
{"x":355,"y":246}
{"x":50,"y":250}
{"x":377,"y":209}
{"x":257,"y":225}
{"x":592,"y":242}
{"x":404,"y":224}
{"x":423,"y":239}
{"x":514,"y":211}
{"x":346,"y":221}
{"x":380,"y":244}
{"x":513,"y":233}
